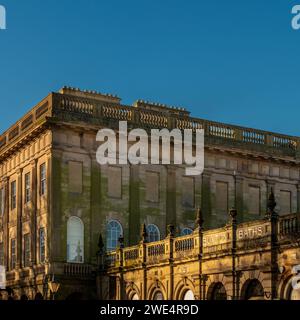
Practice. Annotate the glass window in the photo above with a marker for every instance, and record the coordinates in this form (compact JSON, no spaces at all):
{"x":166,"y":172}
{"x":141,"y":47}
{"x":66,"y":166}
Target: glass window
{"x":186,"y":231}
{"x":27,"y":250}
{"x":75,"y":240}
{"x":27,"y":188}
{"x":153,"y":233}
{"x":13,"y":254}
{"x":43,"y":179}
{"x":13,"y":200}
{"x":42,"y":245}
{"x":135,"y":297}
{"x":158,"y":296}
{"x":189,"y":295}
{"x":113,"y":232}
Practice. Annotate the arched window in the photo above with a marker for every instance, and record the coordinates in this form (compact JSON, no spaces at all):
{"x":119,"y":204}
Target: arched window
{"x":189,"y":295}
{"x":75,"y":240}
{"x":113,"y":232}
{"x":135,"y":297}
{"x":186,"y":231}
{"x":153,"y":233}
{"x":217,"y":291}
{"x":252,"y":289}
{"x":158,"y":296}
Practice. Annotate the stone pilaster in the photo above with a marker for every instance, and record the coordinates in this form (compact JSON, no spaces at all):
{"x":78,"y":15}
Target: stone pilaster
{"x":5,"y":182}
{"x":34,"y":211}
{"x":134,"y":205}
{"x":171,"y":196}
{"x":19,"y":218}
{"x":206,"y":198}
{"x":239,"y":197}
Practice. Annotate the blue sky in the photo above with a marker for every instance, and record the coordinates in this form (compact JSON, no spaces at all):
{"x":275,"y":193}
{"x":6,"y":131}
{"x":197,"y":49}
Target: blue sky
{"x":232,"y":61}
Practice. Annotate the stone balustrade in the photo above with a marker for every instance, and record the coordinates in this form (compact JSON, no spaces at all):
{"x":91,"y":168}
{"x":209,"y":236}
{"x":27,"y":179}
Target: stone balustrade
{"x":68,"y":106}
{"x":249,"y":236}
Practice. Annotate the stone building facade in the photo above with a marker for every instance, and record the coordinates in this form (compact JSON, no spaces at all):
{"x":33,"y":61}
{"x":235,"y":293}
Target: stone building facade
{"x":56,"y":200}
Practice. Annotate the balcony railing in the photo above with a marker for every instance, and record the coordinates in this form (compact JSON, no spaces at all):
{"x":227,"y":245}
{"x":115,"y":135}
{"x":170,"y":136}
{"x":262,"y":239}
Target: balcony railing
{"x":85,"y":107}
{"x":253,"y":235}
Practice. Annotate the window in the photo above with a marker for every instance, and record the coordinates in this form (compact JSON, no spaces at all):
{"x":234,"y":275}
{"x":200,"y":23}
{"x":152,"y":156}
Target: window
{"x":152,"y":186}
{"x":27,"y":188}
{"x":13,"y":254}
{"x":1,"y":254}
{"x":186,"y":231}
{"x":43,"y":179}
{"x":158,"y":296}
{"x":189,"y":295}
{"x":153,"y":233}
{"x":27,"y":251}
{"x":75,"y":240}
{"x":114,"y":188}
{"x":13,"y":200}
{"x":42,"y":245}
{"x":135,"y":297}
{"x":2,"y":201}
{"x":188,"y":192}
{"x":75,"y":177}
{"x":113,"y":232}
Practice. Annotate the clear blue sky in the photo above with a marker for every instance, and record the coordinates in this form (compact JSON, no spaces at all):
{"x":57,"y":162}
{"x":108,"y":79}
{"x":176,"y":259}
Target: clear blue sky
{"x":233,"y":61}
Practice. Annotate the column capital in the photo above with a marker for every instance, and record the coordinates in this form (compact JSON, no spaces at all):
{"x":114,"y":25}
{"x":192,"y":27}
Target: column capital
{"x":33,"y":163}
{"x":19,"y":171}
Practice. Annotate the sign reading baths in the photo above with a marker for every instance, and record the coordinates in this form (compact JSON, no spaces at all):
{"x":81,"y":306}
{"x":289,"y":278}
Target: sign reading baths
{"x":165,"y":145}
{"x":223,"y":237}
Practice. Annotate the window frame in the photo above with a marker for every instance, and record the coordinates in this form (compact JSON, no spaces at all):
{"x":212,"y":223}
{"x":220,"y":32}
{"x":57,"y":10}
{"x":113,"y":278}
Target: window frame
{"x":112,"y":247}
{"x":27,"y":188}
{"x":151,"y":232}
{"x":42,"y":244}
{"x":13,"y":195}
{"x":27,"y":250}
{"x":13,"y":253}
{"x":43,"y":179}
{"x":78,"y":220}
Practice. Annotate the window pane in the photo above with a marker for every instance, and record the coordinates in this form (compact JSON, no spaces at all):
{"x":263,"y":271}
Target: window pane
{"x":13,"y":253}
{"x":27,"y":188}
{"x":42,"y":245}
{"x":113,"y":232}
{"x":153,"y":233}
{"x":27,"y":250}
{"x":43,"y":179}
{"x":75,"y":240}
{"x":13,"y":195}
